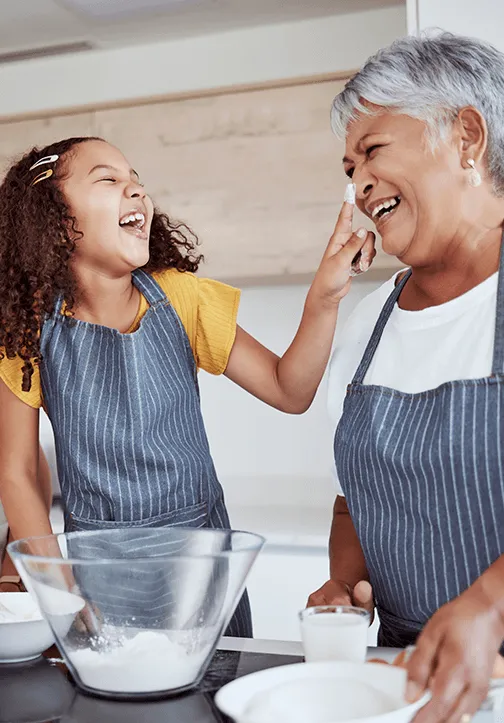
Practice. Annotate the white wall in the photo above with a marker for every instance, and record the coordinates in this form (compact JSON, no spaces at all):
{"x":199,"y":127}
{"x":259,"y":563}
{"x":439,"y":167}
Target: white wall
{"x":252,"y":55}
{"x":484,"y":19}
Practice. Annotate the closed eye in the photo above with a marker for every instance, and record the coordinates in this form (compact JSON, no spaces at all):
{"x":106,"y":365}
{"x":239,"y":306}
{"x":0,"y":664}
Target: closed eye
{"x":371,"y":149}
{"x":107,"y":179}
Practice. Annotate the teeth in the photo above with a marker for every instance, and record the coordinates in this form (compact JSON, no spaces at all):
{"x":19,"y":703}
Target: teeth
{"x":391,"y":203}
{"x":131,"y":218}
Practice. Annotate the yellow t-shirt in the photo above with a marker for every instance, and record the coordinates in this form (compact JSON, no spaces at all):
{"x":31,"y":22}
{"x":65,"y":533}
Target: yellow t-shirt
{"x":206,"y":308}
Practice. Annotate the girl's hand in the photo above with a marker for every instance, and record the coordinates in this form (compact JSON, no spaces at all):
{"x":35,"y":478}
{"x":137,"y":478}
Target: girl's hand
{"x":455,"y":657}
{"x":347,"y":254}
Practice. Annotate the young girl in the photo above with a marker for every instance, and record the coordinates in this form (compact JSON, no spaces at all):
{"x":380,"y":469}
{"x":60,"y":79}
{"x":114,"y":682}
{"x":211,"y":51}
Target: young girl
{"x":103,"y":323}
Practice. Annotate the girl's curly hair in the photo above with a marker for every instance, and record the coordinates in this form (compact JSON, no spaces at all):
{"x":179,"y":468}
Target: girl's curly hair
{"x":38,"y":236}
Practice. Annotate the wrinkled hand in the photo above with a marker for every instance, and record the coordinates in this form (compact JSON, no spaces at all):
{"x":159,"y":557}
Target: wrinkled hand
{"x":335,"y":592}
{"x":332,"y":280}
{"x":454,"y":657}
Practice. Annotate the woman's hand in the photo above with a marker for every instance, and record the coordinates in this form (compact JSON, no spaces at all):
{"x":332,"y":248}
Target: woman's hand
{"x":333,"y":278}
{"x":335,"y":592}
{"x":454,"y":657}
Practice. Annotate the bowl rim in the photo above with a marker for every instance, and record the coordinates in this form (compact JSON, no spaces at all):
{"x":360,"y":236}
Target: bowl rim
{"x":256,"y":543}
{"x":410,"y":708}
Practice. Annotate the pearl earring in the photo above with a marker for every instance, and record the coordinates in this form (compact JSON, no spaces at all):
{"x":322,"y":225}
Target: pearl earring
{"x":474,"y":178}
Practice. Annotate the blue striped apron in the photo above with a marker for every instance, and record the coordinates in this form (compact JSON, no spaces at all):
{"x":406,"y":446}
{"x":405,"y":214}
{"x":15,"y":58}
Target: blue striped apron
{"x":131,"y":446}
{"x":423,"y":475}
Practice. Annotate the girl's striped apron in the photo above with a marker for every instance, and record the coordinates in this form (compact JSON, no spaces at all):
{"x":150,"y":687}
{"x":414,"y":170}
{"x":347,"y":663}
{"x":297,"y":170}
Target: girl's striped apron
{"x":423,"y":476}
{"x":131,"y":446}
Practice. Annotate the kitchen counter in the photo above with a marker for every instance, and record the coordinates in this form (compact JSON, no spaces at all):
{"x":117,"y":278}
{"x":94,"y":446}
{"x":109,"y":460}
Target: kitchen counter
{"x":41,"y":692}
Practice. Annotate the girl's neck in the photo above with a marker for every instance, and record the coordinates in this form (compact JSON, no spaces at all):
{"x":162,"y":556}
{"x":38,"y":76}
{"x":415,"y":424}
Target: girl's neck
{"x":106,"y":300}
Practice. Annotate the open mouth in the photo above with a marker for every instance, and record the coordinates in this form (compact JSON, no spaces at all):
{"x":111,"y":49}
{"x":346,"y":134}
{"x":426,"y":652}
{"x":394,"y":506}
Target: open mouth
{"x":386,"y":209}
{"x":134,"y":222}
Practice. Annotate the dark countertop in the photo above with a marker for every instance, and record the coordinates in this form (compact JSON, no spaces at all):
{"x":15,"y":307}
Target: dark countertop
{"x":42,"y":692}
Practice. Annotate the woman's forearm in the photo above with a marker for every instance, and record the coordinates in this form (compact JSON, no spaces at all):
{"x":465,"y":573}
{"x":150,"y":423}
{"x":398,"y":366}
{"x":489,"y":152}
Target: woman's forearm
{"x":347,"y":562}
{"x":491,"y":586}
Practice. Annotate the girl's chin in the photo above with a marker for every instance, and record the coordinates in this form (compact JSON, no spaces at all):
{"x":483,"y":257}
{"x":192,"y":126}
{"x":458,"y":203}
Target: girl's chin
{"x":136,"y":261}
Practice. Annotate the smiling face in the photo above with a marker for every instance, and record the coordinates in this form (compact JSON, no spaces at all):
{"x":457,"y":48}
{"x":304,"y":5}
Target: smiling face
{"x":417,"y":198}
{"x":113,"y":212}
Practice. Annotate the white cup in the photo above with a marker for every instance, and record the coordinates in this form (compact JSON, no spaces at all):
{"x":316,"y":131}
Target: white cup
{"x":334,"y":632}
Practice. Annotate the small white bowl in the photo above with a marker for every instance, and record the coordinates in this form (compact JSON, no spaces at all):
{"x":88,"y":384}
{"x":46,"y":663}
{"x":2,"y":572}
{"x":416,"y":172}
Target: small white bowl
{"x":334,"y":692}
{"x":24,"y":635}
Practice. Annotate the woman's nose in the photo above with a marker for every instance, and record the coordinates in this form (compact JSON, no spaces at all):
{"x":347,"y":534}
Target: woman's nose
{"x":364,"y":183}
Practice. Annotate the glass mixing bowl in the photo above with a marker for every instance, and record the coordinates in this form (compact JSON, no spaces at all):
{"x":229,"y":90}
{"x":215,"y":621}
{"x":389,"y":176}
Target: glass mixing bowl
{"x":151,"y":603}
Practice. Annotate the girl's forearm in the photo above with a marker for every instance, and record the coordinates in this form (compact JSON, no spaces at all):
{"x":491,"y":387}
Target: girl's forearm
{"x":7,"y":567}
{"x":302,"y":367}
{"x":26,"y":508}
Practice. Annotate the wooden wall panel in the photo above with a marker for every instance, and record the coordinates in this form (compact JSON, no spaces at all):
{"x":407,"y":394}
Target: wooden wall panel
{"x":257,"y":173}
{"x":18,"y":137}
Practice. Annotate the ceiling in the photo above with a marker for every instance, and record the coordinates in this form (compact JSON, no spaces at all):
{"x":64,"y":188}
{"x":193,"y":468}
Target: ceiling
{"x":33,"y":24}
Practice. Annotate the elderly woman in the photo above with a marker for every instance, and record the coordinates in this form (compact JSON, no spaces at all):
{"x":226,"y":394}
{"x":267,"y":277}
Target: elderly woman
{"x":417,"y":378}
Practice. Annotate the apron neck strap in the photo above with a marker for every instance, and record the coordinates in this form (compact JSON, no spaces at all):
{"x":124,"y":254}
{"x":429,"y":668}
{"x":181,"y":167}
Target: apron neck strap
{"x":378,"y":330}
{"x":498,"y":353}
{"x":144,"y":282}
{"x":58,"y":306}
{"x":148,"y":287}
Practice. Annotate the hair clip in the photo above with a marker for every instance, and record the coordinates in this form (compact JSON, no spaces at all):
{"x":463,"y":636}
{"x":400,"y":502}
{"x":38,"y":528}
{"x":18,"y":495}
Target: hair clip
{"x":43,"y":161}
{"x":42,"y":176}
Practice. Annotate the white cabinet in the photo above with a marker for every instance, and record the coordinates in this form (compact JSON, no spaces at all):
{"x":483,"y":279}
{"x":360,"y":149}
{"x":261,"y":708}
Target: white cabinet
{"x":460,"y":17}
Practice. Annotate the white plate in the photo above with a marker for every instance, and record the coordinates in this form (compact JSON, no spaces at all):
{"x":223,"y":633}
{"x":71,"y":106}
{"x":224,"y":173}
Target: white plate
{"x":233,"y":699}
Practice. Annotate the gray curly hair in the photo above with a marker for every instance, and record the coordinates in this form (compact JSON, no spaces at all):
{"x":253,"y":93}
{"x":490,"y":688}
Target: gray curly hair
{"x":431,"y":78}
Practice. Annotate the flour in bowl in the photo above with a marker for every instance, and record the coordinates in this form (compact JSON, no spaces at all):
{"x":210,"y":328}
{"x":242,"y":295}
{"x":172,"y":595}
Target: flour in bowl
{"x":148,"y":662}
{"x":6,"y":616}
{"x":19,"y":616}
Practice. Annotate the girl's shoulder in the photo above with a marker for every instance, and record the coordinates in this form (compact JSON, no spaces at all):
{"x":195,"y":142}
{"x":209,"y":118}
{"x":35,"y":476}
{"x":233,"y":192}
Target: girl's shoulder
{"x":208,"y":310}
{"x":192,"y":290}
{"x":11,"y":373}
{"x":174,"y":277}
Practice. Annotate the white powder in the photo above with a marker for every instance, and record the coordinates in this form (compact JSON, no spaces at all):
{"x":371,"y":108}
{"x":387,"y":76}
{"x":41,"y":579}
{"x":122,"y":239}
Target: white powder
{"x":148,"y":662}
{"x":318,"y":700}
{"x":19,"y":616}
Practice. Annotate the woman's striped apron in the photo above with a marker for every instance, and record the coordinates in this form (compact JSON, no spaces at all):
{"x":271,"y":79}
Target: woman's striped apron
{"x":423,"y":476}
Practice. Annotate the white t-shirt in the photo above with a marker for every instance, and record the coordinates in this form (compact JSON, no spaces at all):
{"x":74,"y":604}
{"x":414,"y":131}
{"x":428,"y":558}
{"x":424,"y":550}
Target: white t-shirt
{"x":419,"y":350}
